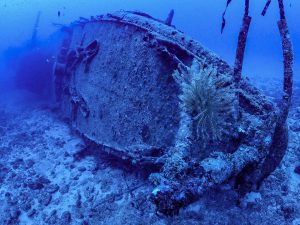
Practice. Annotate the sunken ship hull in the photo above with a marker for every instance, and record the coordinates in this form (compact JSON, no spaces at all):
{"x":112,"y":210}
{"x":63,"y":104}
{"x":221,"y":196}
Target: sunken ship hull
{"x":114,"y":81}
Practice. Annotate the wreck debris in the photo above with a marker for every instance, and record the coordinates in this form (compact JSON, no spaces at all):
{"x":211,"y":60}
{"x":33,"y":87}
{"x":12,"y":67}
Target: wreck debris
{"x":287,"y":59}
{"x":170,"y":197}
{"x":287,"y":63}
{"x":286,"y":47}
{"x":170,"y":18}
{"x":263,"y":13}
{"x":89,"y":54}
{"x":242,"y":39}
{"x":35,"y":30}
{"x":223,"y":16}
{"x":59,"y":69}
{"x":280,"y":136}
{"x":78,"y":102}
{"x":69,"y":60}
{"x":60,"y":64}
{"x":240,"y":50}
{"x":83,"y":19}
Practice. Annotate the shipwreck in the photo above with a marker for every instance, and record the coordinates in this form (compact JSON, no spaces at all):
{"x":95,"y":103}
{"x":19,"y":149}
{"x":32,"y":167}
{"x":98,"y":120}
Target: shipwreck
{"x":141,"y":90}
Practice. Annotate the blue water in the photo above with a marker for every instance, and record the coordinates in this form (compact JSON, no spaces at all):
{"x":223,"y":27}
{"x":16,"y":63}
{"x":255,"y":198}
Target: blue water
{"x":199,"y":19}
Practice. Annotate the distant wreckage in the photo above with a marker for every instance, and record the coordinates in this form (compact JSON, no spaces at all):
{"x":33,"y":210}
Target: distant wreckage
{"x":141,"y":90}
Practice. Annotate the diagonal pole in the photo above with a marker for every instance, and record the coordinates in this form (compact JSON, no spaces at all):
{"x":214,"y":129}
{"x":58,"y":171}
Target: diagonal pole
{"x":288,"y":59}
{"x":240,"y":50}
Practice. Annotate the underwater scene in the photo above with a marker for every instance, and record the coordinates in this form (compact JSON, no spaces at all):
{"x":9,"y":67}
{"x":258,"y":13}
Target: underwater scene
{"x":127,"y":112}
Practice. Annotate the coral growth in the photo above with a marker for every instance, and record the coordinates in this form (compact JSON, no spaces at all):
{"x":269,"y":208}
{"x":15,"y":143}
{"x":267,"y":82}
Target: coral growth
{"x":208,"y":99}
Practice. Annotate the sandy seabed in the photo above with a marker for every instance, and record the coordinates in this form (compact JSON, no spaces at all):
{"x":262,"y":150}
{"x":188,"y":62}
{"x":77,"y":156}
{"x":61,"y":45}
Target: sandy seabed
{"x":46,"y":177}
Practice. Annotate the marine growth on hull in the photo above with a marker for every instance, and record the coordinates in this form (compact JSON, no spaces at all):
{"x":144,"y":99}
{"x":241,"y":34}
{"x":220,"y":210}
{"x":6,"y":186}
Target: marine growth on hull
{"x":138,"y":89}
